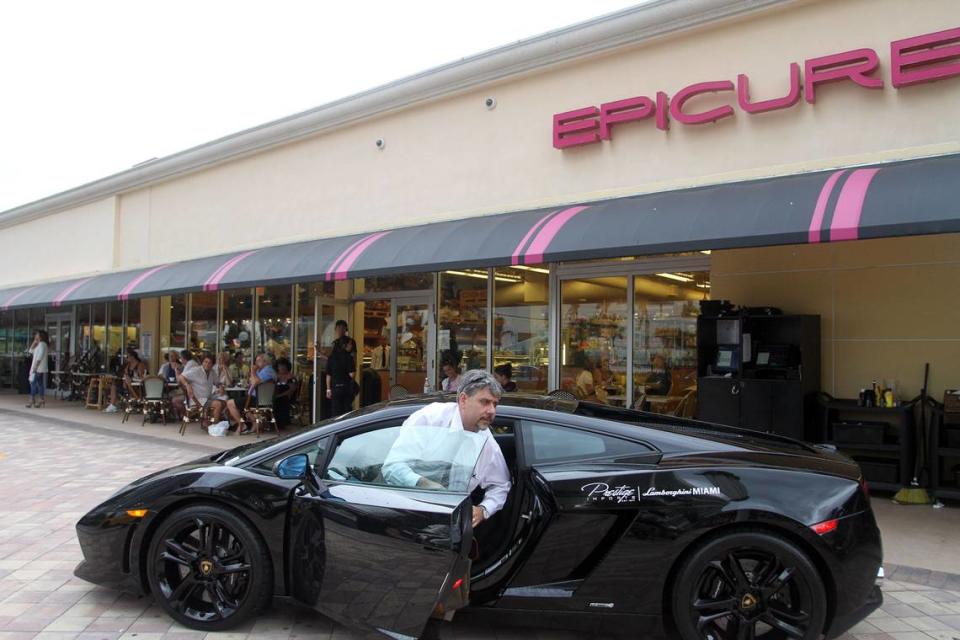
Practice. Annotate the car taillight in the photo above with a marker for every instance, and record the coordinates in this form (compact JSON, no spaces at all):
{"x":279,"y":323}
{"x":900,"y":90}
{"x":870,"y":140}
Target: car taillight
{"x":456,"y":585}
{"x":824,"y":527}
{"x":865,"y":487}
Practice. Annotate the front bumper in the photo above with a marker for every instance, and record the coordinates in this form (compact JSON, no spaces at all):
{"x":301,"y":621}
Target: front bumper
{"x":105,"y":550}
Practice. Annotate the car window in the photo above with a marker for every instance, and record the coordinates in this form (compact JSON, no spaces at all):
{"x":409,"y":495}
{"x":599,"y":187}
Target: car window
{"x":423,"y":457}
{"x":554,"y":443}
{"x":314,"y":451}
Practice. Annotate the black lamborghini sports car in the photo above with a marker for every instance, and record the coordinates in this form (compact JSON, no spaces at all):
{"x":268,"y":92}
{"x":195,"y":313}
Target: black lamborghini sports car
{"x":622,"y":521}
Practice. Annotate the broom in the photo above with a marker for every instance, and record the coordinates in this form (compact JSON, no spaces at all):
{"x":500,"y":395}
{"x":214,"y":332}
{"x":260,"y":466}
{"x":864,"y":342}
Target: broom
{"x":915,"y":494}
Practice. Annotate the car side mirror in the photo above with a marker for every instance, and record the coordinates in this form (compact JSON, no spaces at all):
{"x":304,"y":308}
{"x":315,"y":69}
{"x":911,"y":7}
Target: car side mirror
{"x":292,"y":467}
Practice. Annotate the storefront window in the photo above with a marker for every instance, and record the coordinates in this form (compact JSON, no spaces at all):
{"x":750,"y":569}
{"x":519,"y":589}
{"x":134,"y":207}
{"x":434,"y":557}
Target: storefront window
{"x":462,"y":335}
{"x":21,"y":330}
{"x":666,"y":306}
{"x":133,"y":325}
{"x":98,"y":335}
{"x":521,"y":324}
{"x":6,"y":339}
{"x":238,"y":322}
{"x":115,"y":345}
{"x":83,"y":324}
{"x":274,"y":327}
{"x":306,"y":321}
{"x":203,"y":321}
{"x":402,"y":282}
{"x":173,"y":319}
{"x":593,"y":338}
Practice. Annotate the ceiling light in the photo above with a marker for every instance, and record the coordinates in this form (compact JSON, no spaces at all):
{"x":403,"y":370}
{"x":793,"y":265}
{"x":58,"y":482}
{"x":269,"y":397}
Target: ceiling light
{"x":526,"y":268}
{"x":675,"y":276}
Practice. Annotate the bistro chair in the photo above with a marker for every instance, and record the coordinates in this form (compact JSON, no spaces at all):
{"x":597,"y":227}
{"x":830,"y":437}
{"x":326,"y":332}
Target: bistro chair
{"x":130,"y":404}
{"x":193,"y":412}
{"x":155,"y":400}
{"x":262,"y":413}
{"x":560,"y":394}
{"x":398,"y":392}
{"x":300,"y":406}
{"x":688,"y":404}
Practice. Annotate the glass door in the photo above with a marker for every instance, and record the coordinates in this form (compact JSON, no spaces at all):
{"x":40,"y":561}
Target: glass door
{"x":413,"y":344}
{"x":60,"y":331}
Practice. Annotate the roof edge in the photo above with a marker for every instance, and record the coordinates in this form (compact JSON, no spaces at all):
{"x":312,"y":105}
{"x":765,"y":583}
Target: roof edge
{"x":599,"y":35}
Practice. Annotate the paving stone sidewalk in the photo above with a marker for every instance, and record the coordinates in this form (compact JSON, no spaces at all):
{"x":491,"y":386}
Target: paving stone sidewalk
{"x":50,"y":474}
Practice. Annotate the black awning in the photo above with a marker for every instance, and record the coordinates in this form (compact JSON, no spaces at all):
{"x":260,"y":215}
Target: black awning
{"x":905,"y":198}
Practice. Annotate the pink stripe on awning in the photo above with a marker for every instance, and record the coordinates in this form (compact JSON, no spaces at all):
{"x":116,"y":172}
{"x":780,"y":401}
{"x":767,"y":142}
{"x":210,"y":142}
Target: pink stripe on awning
{"x":125,"y":292}
{"x":66,"y":292}
{"x":344,"y":267}
{"x":515,"y":258}
{"x":539,"y":245}
{"x":6,"y":305}
{"x":340,"y":258}
{"x":816,"y":222}
{"x":213,"y":281}
{"x":846,"y":217}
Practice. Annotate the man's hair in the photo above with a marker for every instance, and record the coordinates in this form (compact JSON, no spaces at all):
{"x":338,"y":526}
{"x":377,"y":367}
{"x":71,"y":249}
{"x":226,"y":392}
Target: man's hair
{"x":341,"y":323}
{"x":476,"y":380}
{"x":186,"y":355}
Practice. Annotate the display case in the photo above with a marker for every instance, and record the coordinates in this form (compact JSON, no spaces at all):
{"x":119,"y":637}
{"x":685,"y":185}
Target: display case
{"x":944,"y":451}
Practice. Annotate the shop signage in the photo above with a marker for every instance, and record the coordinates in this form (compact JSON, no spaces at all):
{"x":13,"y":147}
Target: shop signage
{"x":926,"y":58}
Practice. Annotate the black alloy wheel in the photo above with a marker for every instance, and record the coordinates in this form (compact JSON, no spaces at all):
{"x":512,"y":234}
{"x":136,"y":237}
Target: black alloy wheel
{"x":749,"y":586}
{"x":209,"y":569}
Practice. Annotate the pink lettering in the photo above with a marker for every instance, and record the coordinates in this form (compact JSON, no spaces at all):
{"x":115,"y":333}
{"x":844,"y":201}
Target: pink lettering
{"x":854,"y":65}
{"x":743,"y":94}
{"x":628,"y":110}
{"x":711,"y":115}
{"x":663,"y":111}
{"x":912,"y":60}
{"x":575,"y":127}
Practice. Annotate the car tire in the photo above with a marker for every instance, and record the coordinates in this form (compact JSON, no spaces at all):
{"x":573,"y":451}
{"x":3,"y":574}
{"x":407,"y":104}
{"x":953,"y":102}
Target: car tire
{"x":209,"y":569}
{"x":749,"y":584}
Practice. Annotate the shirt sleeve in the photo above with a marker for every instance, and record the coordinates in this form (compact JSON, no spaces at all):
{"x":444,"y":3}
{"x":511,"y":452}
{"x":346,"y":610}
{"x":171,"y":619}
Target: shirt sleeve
{"x":396,"y":468}
{"x":494,"y":477}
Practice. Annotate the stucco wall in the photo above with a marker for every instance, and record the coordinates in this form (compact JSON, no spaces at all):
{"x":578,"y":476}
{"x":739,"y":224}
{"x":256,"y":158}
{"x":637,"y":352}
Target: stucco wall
{"x":70,"y":243}
{"x":886,"y":306}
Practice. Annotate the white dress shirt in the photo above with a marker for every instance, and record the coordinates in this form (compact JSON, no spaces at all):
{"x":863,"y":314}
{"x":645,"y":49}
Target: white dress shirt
{"x":490,"y":471}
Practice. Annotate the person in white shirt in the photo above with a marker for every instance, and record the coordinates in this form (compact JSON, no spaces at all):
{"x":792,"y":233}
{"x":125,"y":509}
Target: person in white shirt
{"x":474,"y":411}
{"x":38,"y":368}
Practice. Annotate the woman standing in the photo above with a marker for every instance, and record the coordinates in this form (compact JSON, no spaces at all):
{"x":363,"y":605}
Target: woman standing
{"x":38,"y":368}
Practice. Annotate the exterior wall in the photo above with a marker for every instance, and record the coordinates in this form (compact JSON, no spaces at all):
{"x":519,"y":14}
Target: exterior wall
{"x":886,"y":306}
{"x":70,"y":243}
{"x":455,"y":158}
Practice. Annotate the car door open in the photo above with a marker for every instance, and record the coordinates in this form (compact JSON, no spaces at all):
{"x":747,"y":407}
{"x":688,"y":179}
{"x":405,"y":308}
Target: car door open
{"x":379,"y":539}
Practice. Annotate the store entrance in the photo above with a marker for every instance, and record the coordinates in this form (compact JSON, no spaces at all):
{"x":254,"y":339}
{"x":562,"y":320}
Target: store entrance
{"x":60,"y":327}
{"x":399,"y":342}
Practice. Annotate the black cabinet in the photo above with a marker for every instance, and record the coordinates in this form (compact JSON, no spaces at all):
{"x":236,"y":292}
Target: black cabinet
{"x":944,"y":451}
{"x":759,"y":372}
{"x":880,"y":439}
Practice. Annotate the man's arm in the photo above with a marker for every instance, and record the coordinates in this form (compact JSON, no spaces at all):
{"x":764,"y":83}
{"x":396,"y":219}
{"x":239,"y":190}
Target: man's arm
{"x":494,"y":477}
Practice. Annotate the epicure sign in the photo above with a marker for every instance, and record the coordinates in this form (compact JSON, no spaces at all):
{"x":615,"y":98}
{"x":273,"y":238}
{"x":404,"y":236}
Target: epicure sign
{"x":915,"y":60}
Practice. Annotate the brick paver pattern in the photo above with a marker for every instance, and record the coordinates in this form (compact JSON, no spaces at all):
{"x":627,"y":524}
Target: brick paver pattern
{"x":51,"y":474}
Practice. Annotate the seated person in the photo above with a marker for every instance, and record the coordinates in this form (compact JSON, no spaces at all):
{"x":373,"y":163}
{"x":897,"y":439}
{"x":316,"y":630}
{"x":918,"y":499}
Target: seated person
{"x":660,"y":379}
{"x":133,"y":369}
{"x":504,"y":375}
{"x":262,"y":372}
{"x":202,"y":387}
{"x":171,"y":368}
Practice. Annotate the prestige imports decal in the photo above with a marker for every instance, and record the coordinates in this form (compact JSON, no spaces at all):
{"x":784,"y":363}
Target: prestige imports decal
{"x":624,"y":493}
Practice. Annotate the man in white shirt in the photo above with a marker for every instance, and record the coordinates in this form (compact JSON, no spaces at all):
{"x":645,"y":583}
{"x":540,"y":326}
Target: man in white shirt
{"x":474,"y":411}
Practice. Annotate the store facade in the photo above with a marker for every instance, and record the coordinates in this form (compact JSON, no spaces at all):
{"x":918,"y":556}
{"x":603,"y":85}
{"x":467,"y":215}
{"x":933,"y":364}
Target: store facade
{"x":562,"y":205}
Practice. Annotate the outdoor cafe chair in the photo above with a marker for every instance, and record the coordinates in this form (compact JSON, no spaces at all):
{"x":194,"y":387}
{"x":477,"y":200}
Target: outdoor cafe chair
{"x":155,"y":400}
{"x":262,"y":413}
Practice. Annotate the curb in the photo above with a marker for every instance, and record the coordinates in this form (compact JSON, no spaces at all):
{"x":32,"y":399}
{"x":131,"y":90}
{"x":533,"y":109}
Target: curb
{"x":926,"y":577}
{"x":103,"y":431}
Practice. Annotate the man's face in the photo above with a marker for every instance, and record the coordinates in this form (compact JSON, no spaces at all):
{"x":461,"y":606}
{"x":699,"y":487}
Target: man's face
{"x":477,"y":411}
{"x":207,"y":364}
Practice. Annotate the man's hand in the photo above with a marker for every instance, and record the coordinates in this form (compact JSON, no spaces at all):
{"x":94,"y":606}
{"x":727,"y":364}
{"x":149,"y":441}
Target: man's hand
{"x":427,"y":483}
{"x":479,"y":515}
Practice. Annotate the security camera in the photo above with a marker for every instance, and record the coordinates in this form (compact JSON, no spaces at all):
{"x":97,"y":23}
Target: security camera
{"x":380,"y":143}
{"x":490,"y":103}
